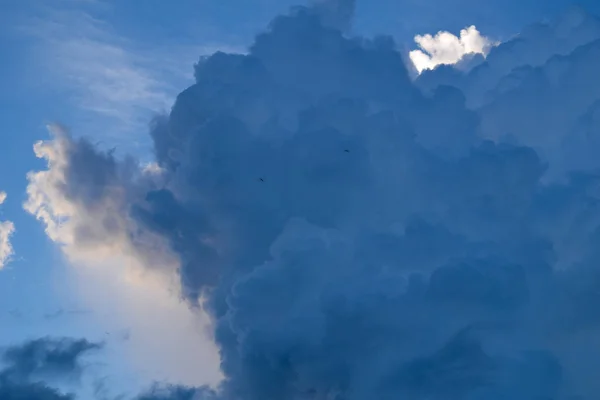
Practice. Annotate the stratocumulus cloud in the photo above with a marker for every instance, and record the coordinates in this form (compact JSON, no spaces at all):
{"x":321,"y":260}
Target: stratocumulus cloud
{"x":7,"y":228}
{"x":351,"y":237}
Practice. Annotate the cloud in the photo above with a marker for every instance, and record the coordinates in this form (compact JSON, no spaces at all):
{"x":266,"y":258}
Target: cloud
{"x":533,"y":47}
{"x":68,"y":212}
{"x":109,"y":276}
{"x":562,"y":127}
{"x":445,"y":48}
{"x":27,"y":366}
{"x":116,"y":83}
{"x":336,"y":13}
{"x":540,"y":67}
{"x":31,"y":369}
{"x":152,"y":335}
{"x":349,"y":236}
{"x":46,"y":357}
{"x":7,"y":228}
{"x":178,"y":393}
{"x":32,"y":391}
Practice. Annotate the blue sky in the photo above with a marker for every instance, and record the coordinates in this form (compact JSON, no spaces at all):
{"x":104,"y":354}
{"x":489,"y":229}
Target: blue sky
{"x":104,"y":69}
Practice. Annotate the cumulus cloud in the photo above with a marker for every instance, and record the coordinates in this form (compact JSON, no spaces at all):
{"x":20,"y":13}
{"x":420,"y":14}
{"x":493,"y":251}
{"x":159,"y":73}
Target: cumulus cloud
{"x":177,"y":393}
{"x":27,"y":366}
{"x":46,"y":357}
{"x":76,"y":217}
{"x":350,"y":237}
{"x":7,"y":228}
{"x":445,"y":48}
{"x":335,"y":13}
{"x":538,"y":90}
{"x":532,"y":47}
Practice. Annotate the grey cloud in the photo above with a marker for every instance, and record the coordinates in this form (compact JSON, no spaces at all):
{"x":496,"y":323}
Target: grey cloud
{"x":336,"y":13}
{"x":29,"y":391}
{"x":46,"y":357}
{"x":561,"y":126}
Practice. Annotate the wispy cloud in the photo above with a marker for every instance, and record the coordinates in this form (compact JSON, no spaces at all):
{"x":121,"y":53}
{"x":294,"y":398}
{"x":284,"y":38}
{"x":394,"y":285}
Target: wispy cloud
{"x":7,"y":228}
{"x":116,"y":84}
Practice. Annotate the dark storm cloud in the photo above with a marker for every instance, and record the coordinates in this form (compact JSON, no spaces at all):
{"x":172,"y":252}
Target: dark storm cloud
{"x":178,"y":393}
{"x":45,"y":357}
{"x":26,"y":367}
{"x":352,"y":238}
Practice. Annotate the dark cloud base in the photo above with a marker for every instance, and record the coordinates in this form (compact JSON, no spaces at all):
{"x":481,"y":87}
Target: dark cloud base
{"x":27,"y":366}
{"x":355,"y":239}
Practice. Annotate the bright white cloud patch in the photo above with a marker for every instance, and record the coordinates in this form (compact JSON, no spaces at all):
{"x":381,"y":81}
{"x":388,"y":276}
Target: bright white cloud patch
{"x":7,"y":228}
{"x":446,"y":48}
{"x":311,"y":191}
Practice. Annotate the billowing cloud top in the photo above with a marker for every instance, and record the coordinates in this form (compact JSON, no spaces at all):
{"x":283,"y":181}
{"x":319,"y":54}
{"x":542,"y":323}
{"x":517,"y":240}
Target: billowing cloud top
{"x":7,"y":228}
{"x":351,"y":237}
{"x":445,"y":48}
{"x":533,"y":47}
{"x":58,"y":203}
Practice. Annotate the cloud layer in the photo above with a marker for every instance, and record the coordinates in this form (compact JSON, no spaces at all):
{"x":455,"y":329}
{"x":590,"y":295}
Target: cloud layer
{"x":351,"y":237}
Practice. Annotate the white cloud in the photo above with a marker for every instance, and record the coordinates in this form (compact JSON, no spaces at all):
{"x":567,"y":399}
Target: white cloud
{"x":115,"y":85}
{"x":7,"y":228}
{"x":446,"y":48}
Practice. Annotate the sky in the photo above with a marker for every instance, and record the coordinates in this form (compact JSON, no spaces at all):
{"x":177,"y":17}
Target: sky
{"x":336,"y":199}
